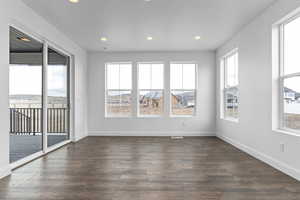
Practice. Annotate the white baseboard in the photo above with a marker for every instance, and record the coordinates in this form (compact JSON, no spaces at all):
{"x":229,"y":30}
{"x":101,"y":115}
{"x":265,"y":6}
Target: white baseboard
{"x":151,"y":133}
{"x":5,"y":171}
{"x":264,"y":158}
{"x":76,"y":139}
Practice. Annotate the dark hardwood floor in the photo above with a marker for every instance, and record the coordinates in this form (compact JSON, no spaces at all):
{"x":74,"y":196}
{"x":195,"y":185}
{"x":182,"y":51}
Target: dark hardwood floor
{"x":148,"y":168}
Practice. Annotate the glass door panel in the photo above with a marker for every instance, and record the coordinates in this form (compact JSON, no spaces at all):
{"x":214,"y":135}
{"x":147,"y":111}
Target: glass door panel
{"x":25,"y":95}
{"x":58,"y":97}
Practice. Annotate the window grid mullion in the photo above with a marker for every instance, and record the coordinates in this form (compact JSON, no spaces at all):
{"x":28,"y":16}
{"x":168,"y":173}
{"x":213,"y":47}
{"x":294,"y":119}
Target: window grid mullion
{"x":151,"y":89}
{"x":119,"y":74}
{"x":182,"y":76}
{"x":281,"y":79}
{"x":151,"y":76}
{"x":235,"y":69}
{"x":291,"y":75}
{"x":225,"y":73}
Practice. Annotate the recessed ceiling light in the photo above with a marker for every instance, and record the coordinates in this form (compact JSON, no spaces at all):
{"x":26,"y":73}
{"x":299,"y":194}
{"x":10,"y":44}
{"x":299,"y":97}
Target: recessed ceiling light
{"x":24,"y":39}
{"x":147,"y":0}
{"x":74,"y":1}
{"x":149,"y":38}
{"x":104,"y":39}
{"x":197,"y":37}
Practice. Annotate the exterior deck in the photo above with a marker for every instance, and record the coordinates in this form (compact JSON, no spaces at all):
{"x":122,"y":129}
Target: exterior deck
{"x":22,"y":146}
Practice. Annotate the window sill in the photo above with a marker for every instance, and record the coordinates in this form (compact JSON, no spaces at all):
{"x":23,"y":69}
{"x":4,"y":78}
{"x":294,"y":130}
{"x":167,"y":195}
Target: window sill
{"x":287,"y":132}
{"x":118,"y":117}
{"x":149,"y":116}
{"x":182,"y":116}
{"x":230,"y":119}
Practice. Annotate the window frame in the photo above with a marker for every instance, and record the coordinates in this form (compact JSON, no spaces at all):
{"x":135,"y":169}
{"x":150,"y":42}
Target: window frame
{"x":116,"y":90}
{"x":225,"y":87}
{"x":282,"y":77}
{"x":150,"y":89}
{"x":171,"y":115}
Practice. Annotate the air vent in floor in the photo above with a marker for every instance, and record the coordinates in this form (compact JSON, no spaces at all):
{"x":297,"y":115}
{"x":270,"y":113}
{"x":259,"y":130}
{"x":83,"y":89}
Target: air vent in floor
{"x":177,"y":137}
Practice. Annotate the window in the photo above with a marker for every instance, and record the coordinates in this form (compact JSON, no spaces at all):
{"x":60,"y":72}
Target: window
{"x":230,"y":91}
{"x":183,"y":89}
{"x":290,"y":75}
{"x":151,"y":85}
{"x":118,"y":89}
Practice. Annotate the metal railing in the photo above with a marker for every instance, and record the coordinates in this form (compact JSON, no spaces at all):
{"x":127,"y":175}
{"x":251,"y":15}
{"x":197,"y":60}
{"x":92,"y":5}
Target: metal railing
{"x":28,"y":121}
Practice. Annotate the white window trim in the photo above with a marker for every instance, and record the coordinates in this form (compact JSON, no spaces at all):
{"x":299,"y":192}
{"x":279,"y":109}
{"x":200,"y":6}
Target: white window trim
{"x":283,"y":77}
{"x":223,"y":85}
{"x":150,"y":89}
{"x":194,"y":115}
{"x":106,"y":91}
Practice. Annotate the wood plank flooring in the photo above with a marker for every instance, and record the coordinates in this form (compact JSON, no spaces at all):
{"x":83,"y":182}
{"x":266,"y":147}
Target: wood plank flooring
{"x":148,"y":168}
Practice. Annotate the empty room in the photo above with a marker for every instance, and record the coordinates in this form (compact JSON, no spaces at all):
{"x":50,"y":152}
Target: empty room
{"x":150,"y":99}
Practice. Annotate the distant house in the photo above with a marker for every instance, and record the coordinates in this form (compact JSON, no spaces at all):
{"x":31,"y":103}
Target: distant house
{"x":185,"y":99}
{"x":232,"y":97}
{"x":291,"y":95}
{"x":297,"y":98}
{"x":153,"y":99}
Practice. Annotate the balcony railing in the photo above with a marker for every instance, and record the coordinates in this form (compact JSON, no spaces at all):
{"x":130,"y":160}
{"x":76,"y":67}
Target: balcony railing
{"x":28,"y":121}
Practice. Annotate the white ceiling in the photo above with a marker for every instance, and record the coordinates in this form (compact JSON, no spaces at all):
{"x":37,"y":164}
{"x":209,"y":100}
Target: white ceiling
{"x":126,"y":23}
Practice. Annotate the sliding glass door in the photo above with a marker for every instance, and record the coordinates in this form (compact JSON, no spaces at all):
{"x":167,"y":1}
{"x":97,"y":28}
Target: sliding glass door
{"x":39,"y":97}
{"x":58,"y":97}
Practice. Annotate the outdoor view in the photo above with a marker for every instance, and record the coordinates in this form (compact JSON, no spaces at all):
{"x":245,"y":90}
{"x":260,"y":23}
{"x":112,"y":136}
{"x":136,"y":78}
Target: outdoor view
{"x":25,"y":95}
{"x":151,"y":103}
{"x":231,"y":82}
{"x":150,"y":89}
{"x":25,"y":110}
{"x":58,"y":97}
{"x":183,"y":89}
{"x":292,"y":103}
{"x":24,"y":92}
{"x":231,"y":102}
{"x":118,"y":103}
{"x":183,"y":102}
{"x":151,"y":85}
{"x":118,"y":89}
{"x":26,"y":99}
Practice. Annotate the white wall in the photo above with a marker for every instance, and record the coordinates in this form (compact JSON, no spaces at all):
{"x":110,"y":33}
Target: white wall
{"x":203,"y":124}
{"x":4,"y":119}
{"x":14,"y":11}
{"x":254,"y":132}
